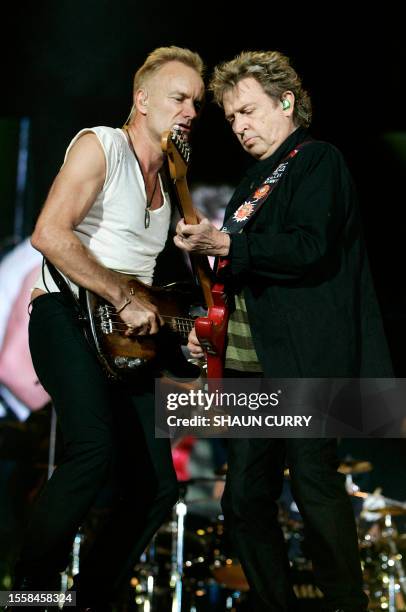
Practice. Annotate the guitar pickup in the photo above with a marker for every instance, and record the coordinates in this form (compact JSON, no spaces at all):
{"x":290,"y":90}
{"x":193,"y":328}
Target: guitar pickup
{"x":128,"y":362}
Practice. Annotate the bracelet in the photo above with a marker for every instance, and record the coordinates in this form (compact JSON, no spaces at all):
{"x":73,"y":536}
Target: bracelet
{"x":127,"y":301}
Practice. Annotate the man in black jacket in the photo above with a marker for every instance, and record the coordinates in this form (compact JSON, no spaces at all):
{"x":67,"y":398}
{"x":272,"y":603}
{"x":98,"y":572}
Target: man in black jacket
{"x":305,"y":307}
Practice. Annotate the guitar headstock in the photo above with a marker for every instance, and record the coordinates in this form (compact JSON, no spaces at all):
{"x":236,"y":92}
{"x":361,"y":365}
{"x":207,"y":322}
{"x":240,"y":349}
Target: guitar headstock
{"x":177,"y":148}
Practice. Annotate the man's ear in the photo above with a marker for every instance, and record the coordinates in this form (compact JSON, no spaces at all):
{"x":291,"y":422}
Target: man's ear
{"x":141,"y":101}
{"x":288,"y":102}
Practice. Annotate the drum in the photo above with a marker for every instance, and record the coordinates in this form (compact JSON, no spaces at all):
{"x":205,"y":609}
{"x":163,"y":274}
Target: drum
{"x":223,"y":563}
{"x":382,"y":569}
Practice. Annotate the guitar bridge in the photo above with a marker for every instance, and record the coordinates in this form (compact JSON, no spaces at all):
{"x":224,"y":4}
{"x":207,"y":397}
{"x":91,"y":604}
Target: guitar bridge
{"x":106,"y":324}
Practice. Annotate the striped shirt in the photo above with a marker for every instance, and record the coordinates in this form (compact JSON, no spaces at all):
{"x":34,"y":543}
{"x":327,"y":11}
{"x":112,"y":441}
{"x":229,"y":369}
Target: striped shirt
{"x":240,"y":354}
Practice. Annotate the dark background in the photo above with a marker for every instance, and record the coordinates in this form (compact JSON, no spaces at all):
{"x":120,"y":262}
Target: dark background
{"x":68,"y":64}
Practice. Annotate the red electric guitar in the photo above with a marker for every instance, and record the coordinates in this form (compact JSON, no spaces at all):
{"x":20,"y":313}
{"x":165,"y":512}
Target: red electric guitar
{"x":211,"y":330}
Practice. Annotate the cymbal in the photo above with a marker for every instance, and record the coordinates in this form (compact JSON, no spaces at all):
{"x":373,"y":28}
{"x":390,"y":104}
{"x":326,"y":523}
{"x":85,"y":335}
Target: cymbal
{"x":356,"y":493}
{"x":345,"y":467}
{"x":392,"y":510}
{"x":354,"y":467}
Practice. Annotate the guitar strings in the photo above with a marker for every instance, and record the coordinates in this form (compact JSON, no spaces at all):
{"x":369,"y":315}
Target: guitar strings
{"x":123,"y":329}
{"x":178,"y":320}
{"x":113,"y":314}
{"x":114,"y":317}
{"x":183,"y":324}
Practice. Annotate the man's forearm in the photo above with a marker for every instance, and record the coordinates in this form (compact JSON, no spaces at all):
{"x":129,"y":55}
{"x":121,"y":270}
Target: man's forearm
{"x":73,"y":259}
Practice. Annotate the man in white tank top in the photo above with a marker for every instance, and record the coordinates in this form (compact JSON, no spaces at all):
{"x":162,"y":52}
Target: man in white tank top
{"x":106,"y":212}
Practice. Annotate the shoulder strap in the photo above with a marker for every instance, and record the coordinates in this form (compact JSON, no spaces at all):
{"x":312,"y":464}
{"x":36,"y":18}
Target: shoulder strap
{"x":253,"y":203}
{"x":65,"y":290}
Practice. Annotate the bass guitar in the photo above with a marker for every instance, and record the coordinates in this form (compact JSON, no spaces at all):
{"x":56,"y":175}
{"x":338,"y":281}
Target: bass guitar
{"x":125,"y":357}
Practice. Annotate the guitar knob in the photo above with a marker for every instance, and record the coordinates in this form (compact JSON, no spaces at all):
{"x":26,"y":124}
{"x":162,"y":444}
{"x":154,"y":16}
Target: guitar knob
{"x":135,"y":363}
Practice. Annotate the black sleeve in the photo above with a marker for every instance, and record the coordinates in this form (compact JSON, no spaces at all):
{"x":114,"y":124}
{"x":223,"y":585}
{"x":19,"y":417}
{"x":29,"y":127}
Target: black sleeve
{"x":315,"y":216}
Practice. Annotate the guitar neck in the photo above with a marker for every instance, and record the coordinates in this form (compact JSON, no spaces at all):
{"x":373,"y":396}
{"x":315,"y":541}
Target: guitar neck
{"x":200,"y":262}
{"x":177,"y":159}
{"x":189,"y":212}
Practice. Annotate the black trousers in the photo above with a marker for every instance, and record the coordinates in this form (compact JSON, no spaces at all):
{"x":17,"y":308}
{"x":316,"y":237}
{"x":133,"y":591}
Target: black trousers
{"x":108,"y":438}
{"x":254,"y":483}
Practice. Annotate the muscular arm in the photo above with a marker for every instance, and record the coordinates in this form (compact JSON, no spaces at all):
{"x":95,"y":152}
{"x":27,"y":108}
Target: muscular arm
{"x":71,"y":196}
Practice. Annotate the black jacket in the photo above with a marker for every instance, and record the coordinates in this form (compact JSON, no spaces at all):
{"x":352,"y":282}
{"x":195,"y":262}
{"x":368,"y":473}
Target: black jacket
{"x":302,"y":264}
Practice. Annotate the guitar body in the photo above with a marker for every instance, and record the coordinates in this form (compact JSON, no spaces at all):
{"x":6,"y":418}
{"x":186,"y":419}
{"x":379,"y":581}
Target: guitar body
{"x":211,"y":332}
{"x":126,"y":357}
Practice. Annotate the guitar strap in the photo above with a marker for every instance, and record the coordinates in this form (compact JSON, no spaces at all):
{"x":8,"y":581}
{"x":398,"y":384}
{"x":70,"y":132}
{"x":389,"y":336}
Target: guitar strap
{"x":239,"y":218}
{"x":76,"y":303}
{"x":65,"y":289}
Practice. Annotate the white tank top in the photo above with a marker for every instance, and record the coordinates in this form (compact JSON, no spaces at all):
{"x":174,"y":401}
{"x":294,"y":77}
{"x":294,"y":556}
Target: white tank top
{"x":114,"y":229}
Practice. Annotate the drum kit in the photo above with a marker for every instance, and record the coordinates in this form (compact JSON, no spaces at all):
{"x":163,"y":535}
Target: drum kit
{"x":190,"y":565}
{"x":382,"y":548}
